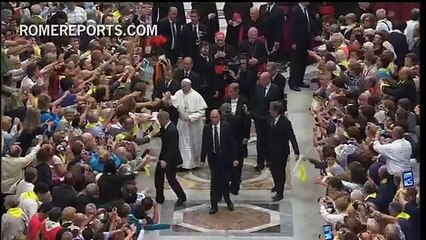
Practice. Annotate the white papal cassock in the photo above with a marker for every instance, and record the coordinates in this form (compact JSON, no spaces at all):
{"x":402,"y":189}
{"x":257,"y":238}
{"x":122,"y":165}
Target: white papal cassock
{"x":191,"y":107}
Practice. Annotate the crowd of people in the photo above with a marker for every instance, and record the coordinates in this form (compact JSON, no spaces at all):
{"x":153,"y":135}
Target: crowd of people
{"x":78,"y":113}
{"x":367,"y":126}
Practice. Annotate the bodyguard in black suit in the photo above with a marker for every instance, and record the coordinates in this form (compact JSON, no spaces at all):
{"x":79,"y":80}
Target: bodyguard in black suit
{"x":264,"y":93}
{"x":205,"y":9}
{"x":302,"y":28}
{"x":160,"y":10}
{"x":272,"y":18}
{"x":399,"y":42}
{"x":278,"y":79}
{"x":219,"y":148}
{"x":204,"y":65}
{"x":193,"y":34}
{"x":167,"y":85}
{"x":240,"y":122}
{"x":168,"y":160}
{"x":187,"y":72}
{"x":279,"y":134}
{"x":171,"y":28}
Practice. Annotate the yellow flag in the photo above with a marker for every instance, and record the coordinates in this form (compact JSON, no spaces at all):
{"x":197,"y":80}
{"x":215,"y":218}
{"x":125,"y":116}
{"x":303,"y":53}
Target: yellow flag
{"x":37,"y":51}
{"x":147,"y":173}
{"x":302,"y":172}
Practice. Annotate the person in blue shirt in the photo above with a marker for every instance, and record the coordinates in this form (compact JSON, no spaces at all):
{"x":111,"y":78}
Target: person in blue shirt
{"x":49,"y":119}
{"x":98,"y":159}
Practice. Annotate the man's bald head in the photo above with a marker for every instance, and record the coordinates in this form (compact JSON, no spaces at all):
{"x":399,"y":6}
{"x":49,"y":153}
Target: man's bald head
{"x":265,"y":79}
{"x":187,"y":63}
{"x":380,"y":14}
{"x":398,"y":132}
{"x":79,"y":218}
{"x":15,"y":151}
{"x":215,"y":116}
{"x":163,"y":118}
{"x":92,"y":189}
{"x":68,"y":214}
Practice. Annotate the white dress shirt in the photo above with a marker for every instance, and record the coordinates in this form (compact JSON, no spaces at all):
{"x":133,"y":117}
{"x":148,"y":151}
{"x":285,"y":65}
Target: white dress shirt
{"x":332,"y":218}
{"x":276,"y":120}
{"x":234,"y":103}
{"x":267,"y":89}
{"x":165,"y":127}
{"x":78,"y":16}
{"x":218,"y":133}
{"x":409,"y":32}
{"x":397,"y":154}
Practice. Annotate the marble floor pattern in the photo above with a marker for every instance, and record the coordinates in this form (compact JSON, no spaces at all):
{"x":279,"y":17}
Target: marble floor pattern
{"x":255,"y":216}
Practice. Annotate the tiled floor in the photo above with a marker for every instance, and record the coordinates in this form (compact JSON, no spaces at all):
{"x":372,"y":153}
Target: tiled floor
{"x":297,"y":214}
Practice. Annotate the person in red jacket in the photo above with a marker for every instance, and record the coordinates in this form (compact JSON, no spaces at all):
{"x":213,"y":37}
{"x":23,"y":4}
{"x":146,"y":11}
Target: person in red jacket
{"x":37,"y":220}
{"x":51,"y":226}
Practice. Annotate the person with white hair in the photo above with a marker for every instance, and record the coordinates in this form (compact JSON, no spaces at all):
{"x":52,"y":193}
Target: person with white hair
{"x":191,"y":107}
{"x":411,"y":24}
{"x":383,"y":24}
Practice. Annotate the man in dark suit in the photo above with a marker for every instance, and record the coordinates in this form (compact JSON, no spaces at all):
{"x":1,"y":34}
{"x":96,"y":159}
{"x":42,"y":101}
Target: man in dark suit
{"x":254,"y":49}
{"x":193,"y":34}
{"x":168,"y":160}
{"x":171,"y":28}
{"x":301,"y":30}
{"x":187,"y":72}
{"x":219,"y":147}
{"x":160,"y":9}
{"x":264,"y":93}
{"x":272,"y":18}
{"x":240,"y":122}
{"x":168,"y":84}
{"x":209,"y":17}
{"x":278,"y":79}
{"x":279,"y":134}
{"x":399,"y":42}
{"x":204,"y":65}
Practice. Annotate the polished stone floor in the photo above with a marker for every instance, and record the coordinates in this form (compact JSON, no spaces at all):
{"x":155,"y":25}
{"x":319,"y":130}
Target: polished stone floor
{"x":255,"y":216}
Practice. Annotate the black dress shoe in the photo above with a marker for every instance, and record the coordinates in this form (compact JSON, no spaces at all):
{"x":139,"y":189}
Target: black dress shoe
{"x":230,"y":206}
{"x":304,"y":85}
{"x":273,"y":189}
{"x":297,"y":89}
{"x":277,"y":198}
{"x":213,"y":211}
{"x":159,"y":200}
{"x":180,"y":202}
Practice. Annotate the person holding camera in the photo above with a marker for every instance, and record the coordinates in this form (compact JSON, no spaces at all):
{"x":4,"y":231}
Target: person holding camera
{"x":334,"y":211}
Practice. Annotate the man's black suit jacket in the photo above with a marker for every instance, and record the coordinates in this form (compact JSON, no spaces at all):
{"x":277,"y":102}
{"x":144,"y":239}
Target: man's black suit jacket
{"x":162,"y":88}
{"x":160,"y":10}
{"x":272,"y":23}
{"x":205,"y":8}
{"x":400,"y":45}
{"x":189,"y":39}
{"x":278,"y":137}
{"x":227,"y":148}
{"x":179,"y":75}
{"x":170,"y":146}
{"x":164,"y":28}
{"x":261,"y":102}
{"x":299,"y":30}
{"x":207,"y":74}
{"x":240,"y":122}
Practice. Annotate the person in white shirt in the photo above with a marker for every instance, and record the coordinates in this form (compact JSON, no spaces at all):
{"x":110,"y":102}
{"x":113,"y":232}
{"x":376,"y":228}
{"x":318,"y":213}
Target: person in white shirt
{"x":26,"y":184}
{"x":75,"y":14}
{"x":340,"y":205}
{"x":30,"y":201}
{"x":12,"y":166}
{"x":411,"y":24}
{"x":397,"y":153}
{"x":382,"y":23}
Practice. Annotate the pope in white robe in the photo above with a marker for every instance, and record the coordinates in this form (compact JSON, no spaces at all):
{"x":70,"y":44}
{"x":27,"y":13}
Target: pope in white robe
{"x":191,"y":107}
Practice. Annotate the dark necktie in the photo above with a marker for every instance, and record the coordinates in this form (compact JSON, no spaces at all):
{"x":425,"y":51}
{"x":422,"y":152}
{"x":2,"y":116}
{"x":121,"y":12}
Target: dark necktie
{"x":216,"y":139}
{"x":168,"y":83}
{"x":307,"y":19}
{"x":264,"y":91}
{"x":268,"y":9}
{"x":173,"y":25}
{"x":186,"y":75}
